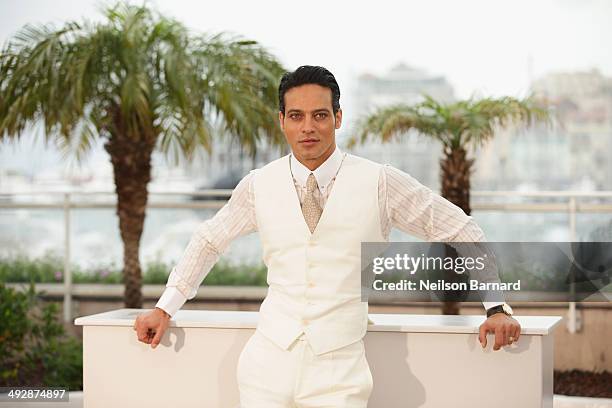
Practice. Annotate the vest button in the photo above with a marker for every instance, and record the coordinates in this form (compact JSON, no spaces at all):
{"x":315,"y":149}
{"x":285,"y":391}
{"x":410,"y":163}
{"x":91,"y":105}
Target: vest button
{"x":305,"y":321}
{"x":311,"y":284}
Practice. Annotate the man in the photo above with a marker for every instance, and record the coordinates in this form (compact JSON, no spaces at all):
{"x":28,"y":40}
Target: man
{"x":312,"y":209}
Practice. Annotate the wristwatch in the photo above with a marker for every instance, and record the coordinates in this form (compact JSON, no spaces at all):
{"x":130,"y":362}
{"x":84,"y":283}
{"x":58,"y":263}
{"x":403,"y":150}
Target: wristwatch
{"x":503,"y":308}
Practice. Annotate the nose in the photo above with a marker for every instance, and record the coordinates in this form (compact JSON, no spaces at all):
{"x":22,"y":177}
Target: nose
{"x":307,"y":125}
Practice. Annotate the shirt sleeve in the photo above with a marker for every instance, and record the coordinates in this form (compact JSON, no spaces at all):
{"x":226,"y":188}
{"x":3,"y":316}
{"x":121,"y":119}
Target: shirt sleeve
{"x":415,"y":209}
{"x":210,"y":239}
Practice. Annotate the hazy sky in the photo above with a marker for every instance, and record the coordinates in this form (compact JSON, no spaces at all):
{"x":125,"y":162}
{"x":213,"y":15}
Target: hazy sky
{"x":480,"y":46}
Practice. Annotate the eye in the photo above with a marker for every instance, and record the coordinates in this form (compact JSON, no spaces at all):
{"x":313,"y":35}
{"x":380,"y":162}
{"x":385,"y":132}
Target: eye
{"x":320,"y":115}
{"x":294,"y":116}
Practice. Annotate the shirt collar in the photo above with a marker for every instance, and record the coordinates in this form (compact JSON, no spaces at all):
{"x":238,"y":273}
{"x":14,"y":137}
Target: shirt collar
{"x":324,"y":173}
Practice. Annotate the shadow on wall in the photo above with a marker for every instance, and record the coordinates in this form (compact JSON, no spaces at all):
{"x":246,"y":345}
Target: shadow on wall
{"x":393,"y":368}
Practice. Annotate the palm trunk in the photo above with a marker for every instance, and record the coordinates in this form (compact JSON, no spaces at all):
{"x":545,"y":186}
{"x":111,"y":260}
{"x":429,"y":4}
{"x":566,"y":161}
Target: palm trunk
{"x":456,"y":170}
{"x":455,"y":173}
{"x":131,"y":161}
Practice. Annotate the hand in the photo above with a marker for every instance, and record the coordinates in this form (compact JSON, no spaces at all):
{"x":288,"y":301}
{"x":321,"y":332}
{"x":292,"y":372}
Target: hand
{"x":150,"y":326}
{"x":503,"y":326}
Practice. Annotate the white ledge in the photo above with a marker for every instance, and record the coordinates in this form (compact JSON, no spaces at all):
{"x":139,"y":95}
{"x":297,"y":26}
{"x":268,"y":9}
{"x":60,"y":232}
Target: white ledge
{"x":530,"y":325}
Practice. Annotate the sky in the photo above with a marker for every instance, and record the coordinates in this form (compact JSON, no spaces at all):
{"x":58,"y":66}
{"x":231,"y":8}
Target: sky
{"x":483,"y":47}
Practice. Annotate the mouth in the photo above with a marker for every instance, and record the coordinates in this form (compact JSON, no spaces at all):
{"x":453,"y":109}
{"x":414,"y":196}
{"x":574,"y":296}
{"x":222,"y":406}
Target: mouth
{"x":309,"y":141}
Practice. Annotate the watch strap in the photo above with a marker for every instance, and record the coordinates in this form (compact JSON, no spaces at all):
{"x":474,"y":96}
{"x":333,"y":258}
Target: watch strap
{"x":495,"y":309}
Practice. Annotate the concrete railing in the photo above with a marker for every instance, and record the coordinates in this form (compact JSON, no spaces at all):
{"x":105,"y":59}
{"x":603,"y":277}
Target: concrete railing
{"x":415,"y":360}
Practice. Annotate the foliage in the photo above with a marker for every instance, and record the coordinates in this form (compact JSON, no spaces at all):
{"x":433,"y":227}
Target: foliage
{"x":34,"y":347}
{"x":140,"y":81}
{"x":456,"y":125}
{"x":49,"y":269}
{"x":138,"y":74}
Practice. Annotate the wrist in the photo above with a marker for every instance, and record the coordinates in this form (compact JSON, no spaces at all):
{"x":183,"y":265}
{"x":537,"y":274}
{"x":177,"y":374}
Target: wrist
{"x":162,"y":312}
{"x":503,"y":309}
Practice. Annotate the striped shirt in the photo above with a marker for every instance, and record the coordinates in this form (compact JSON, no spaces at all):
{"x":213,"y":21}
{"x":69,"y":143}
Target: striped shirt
{"x":404,"y":203}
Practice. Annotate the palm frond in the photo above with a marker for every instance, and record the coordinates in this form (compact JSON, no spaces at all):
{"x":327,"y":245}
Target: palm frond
{"x":139,"y":74}
{"x":456,"y":125}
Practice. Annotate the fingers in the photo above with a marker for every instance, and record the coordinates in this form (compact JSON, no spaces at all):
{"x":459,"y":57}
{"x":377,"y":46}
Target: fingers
{"x":147,"y":334}
{"x":143,"y":333}
{"x":141,"y":330}
{"x":482,"y":335}
{"x":502,"y":332}
{"x":512,"y":332}
{"x":157,"y":338}
{"x":517,"y":332}
{"x":500,"y":337}
{"x":508,"y":332}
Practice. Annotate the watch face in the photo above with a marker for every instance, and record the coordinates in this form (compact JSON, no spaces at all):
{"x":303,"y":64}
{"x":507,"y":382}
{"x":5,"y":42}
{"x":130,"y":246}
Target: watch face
{"x":507,"y":308}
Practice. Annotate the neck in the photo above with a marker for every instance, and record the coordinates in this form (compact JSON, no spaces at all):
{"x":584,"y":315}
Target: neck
{"x":313,"y":164}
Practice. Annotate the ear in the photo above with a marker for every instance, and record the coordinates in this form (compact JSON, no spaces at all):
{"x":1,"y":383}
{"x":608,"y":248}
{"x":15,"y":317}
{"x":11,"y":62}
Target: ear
{"x":338,"y":118}
{"x":281,"y":120}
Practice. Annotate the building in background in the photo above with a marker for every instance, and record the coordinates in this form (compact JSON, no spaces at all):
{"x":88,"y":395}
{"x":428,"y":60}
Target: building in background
{"x":228,"y":163}
{"x":583,"y":103}
{"x":416,"y":154}
{"x":533,"y":159}
{"x":571,"y":154}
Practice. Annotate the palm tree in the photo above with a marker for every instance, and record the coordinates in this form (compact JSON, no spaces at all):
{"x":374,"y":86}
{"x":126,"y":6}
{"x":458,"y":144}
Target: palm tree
{"x":140,"y":81}
{"x":458,"y":126}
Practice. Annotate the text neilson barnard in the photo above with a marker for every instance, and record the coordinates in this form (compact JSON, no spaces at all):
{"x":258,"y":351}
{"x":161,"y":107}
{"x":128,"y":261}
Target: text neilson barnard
{"x":441,"y":284}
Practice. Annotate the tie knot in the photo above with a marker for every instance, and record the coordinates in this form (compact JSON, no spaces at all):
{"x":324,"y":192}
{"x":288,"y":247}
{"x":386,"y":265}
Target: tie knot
{"x":311,"y":183}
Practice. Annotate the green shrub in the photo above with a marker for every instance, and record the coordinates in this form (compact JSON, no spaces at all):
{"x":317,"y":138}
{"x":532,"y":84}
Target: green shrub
{"x":50,"y":269}
{"x":156,"y":273}
{"x":35,"y":350}
{"x":23,"y":269}
{"x":224,"y":273}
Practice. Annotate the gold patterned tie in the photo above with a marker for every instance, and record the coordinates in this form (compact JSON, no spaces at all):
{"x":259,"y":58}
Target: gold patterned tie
{"x":310,"y":207}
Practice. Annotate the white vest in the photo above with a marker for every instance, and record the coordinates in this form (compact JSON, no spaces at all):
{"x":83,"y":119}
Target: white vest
{"x":314,"y":279}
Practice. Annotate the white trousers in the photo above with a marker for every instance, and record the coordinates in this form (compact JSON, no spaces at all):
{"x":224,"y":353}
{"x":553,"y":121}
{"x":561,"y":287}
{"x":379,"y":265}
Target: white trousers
{"x":270,"y":377}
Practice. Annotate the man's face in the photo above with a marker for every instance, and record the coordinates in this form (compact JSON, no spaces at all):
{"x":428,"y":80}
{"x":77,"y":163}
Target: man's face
{"x":309,"y":123}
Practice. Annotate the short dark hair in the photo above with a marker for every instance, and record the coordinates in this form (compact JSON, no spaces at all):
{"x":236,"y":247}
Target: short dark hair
{"x":309,"y":74}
